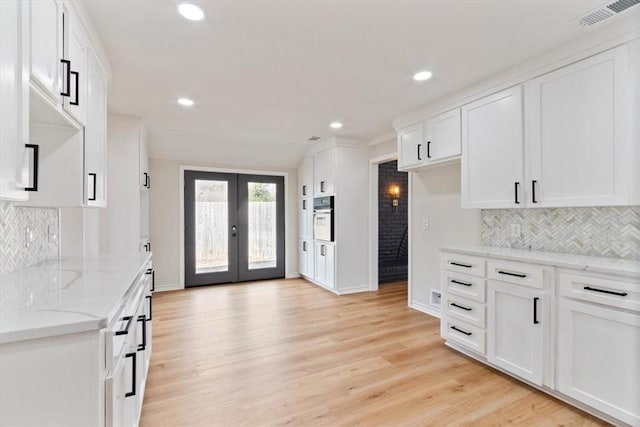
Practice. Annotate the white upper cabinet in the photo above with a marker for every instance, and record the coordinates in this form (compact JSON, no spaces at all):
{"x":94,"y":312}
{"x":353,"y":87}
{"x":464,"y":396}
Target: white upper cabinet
{"x":96,"y":135}
{"x":578,"y":139}
{"x":410,"y":147}
{"x":442,"y":136}
{"x":143,"y":156}
{"x":77,"y":52}
{"x":305,"y":178}
{"x":14,"y":99}
{"x":46,"y":46}
{"x":324,"y":172}
{"x":492,"y":151}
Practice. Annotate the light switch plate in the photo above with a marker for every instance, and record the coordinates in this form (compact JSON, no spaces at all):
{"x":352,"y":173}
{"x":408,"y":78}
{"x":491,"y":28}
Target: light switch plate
{"x":52,"y":233}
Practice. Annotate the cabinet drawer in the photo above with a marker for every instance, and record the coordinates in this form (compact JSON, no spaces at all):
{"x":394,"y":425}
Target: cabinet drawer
{"x":614,"y":292}
{"x":518,"y":273}
{"x":464,"y":285}
{"x":464,"y":334}
{"x":456,"y":307}
{"x":463,"y":263}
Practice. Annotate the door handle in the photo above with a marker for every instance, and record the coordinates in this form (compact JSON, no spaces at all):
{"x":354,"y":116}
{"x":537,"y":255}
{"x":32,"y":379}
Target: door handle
{"x":77,"y":100}
{"x":428,"y":149}
{"x":234,"y":230}
{"x":95,"y":178}
{"x":133,"y":375}
{"x":36,"y":155}
{"x":66,"y":83}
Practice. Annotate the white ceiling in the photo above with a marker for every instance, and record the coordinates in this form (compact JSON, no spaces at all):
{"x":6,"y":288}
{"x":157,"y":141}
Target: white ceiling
{"x":267,"y":75}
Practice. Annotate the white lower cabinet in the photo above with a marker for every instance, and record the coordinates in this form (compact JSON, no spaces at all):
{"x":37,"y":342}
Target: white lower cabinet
{"x":569,"y":331}
{"x":324,"y":264}
{"x":305,"y":258}
{"x":515,"y":330}
{"x":599,"y":358}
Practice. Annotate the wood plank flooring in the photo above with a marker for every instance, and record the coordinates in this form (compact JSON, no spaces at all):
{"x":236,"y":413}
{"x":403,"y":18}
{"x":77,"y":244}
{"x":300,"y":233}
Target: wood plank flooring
{"x":289,"y":353}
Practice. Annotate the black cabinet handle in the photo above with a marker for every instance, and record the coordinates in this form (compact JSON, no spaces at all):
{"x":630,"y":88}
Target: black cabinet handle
{"x":304,"y":246}
{"x":604,"y":291}
{"x":461,"y":265}
{"x":322,"y":250}
{"x":304,"y":190}
{"x":36,"y":159}
{"x":419,"y":157}
{"x":462,"y":331}
{"x":148,"y":181}
{"x":153,"y":278}
{"x":533,"y":191}
{"x":66,"y":83}
{"x":77,"y":76}
{"x":95,"y":178}
{"x":535,"y":311}
{"x":148,"y":245}
{"x":304,"y":205}
{"x":322,"y":189}
{"x":150,"y":298}
{"x":428,"y":149}
{"x":133,"y":375}
{"x":461,"y":283}
{"x":512,"y":274}
{"x":143,"y":319}
{"x":125,"y":331}
{"x":461,"y":306}
{"x":517,"y":187}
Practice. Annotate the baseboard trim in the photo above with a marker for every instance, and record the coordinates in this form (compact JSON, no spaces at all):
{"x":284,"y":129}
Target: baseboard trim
{"x":363,"y":288}
{"x":424,"y":308}
{"x":168,"y":287}
{"x":292,"y":275}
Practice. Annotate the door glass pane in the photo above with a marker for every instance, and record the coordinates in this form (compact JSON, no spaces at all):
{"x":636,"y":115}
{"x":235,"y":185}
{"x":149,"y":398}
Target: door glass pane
{"x":212,"y":226}
{"x":262,"y":225}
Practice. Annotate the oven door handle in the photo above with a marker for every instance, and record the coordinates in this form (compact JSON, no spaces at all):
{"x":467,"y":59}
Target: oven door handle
{"x":322,"y":211}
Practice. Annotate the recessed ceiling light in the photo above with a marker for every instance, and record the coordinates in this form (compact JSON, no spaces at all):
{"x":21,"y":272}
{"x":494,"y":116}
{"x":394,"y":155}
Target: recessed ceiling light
{"x":185,"y":102}
{"x":335,"y":125}
{"x":422,"y":76}
{"x":191,"y":11}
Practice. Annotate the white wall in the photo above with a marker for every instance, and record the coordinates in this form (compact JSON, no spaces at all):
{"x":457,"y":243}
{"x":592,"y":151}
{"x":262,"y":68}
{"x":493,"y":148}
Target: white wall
{"x":165,"y":227}
{"x":435,"y":197}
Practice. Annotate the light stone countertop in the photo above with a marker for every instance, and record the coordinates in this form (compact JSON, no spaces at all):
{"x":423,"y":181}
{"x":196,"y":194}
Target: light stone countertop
{"x":561,"y":260}
{"x":65,"y":295}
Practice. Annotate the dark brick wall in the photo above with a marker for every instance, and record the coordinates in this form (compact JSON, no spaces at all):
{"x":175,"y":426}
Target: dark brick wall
{"x":392,"y":223}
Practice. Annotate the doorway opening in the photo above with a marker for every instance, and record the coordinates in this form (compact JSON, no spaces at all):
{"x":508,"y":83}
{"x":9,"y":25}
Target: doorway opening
{"x":234,"y":227}
{"x":393,"y":239}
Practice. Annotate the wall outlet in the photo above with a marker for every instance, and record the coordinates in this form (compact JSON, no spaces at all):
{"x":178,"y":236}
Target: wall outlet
{"x":436,"y":297}
{"x":425,"y":224}
{"x":516,"y":230}
{"x":28,"y":236}
{"x":52,"y":233}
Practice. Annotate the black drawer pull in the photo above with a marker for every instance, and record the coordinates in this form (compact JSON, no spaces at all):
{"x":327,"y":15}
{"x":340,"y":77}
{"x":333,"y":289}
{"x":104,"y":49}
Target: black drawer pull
{"x":535,"y":311}
{"x":604,"y":291}
{"x":77,"y":100}
{"x":461,"y":265}
{"x":152,"y":272}
{"x":512,"y":274}
{"x":428,"y":149}
{"x":461,"y":283}
{"x":304,"y":190}
{"x":95,"y":179}
{"x":150,"y":298}
{"x":517,"y":189}
{"x":36,"y":155}
{"x":125,"y":331}
{"x":533,"y":191}
{"x":142,"y":318}
{"x":66,"y":82}
{"x":462,"y":331}
{"x":461,"y":306}
{"x":133,"y":375}
{"x":419,"y":156}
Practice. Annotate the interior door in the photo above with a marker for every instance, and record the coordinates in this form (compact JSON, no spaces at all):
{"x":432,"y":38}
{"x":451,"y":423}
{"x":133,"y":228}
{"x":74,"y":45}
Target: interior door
{"x":234,"y":227}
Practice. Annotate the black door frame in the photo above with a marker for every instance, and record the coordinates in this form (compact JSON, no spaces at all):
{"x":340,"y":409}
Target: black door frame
{"x":238,"y":238}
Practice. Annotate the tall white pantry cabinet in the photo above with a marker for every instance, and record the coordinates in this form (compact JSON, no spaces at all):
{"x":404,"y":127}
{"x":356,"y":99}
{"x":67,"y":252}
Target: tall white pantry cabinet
{"x":340,"y":168}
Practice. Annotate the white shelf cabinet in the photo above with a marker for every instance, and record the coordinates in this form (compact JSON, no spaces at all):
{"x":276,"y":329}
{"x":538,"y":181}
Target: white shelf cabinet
{"x":126,"y":219}
{"x":96,"y":136}
{"x":14,"y":99}
{"x":305,"y":178}
{"x":410,"y":147}
{"x":77,"y":51}
{"x":306,"y":258}
{"x":492,"y":151}
{"x":578,"y":133}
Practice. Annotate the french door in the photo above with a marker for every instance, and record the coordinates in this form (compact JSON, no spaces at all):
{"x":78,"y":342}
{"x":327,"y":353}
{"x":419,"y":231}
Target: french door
{"x":234,"y":227}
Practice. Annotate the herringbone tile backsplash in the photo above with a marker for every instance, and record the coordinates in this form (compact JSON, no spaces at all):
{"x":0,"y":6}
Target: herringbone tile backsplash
{"x":603,"y":231}
{"x":14,"y":254}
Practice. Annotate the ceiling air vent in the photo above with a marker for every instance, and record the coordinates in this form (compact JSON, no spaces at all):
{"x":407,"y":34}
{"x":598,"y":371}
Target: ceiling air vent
{"x":605,"y":12}
{"x":314,"y":138}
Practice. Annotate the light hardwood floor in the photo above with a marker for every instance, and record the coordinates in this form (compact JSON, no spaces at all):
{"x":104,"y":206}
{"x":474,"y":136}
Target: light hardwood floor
{"x":288,"y":352}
